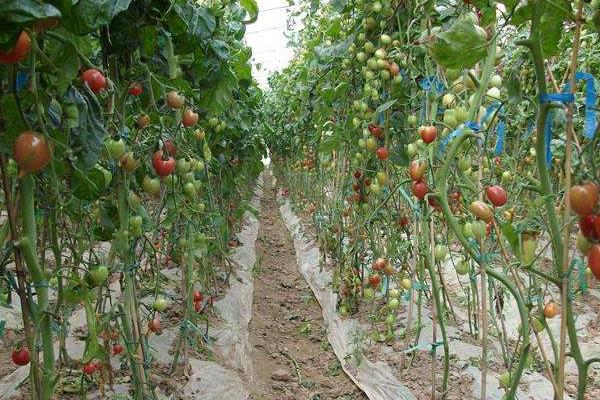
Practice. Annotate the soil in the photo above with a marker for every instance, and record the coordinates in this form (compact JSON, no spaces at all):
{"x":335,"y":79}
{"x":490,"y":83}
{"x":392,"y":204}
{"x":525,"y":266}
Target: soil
{"x":291,"y":355}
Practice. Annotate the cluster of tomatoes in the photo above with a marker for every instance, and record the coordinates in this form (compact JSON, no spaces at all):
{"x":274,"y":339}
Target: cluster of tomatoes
{"x":359,"y":187}
{"x":382,"y":152}
{"x":584,"y":201}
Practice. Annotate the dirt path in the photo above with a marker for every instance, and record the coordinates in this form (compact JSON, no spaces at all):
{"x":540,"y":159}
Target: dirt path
{"x":292,"y":358}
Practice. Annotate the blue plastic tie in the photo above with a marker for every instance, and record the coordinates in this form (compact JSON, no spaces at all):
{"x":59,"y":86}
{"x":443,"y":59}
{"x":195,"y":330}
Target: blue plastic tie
{"x":565,"y":98}
{"x":590,"y":102}
{"x":474,"y":126}
{"x":432,"y":82}
{"x":21,"y":81}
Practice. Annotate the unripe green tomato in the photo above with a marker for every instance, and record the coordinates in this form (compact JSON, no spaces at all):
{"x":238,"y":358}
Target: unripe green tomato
{"x":412,"y":150}
{"x":134,"y":200}
{"x":183,"y":166}
{"x":583,"y":244}
{"x":412,"y":120}
{"x":506,"y":176}
{"x":369,"y":293}
{"x":369,"y":47}
{"x":382,"y":64}
{"x":495,"y":81}
{"x":189,"y":177}
{"x":372,"y":64}
{"x":376,"y":7}
{"x":384,"y":74}
{"x":361,"y":56}
{"x":461,"y":114}
{"x":397,"y":80}
{"x":385,"y":39}
{"x":171,"y":180}
{"x":369,"y":75}
{"x":504,"y":380}
{"x":462,"y":268}
{"x":464,"y":163}
{"x":380,"y":54}
{"x":440,"y":252}
{"x":406,"y":283}
{"x":452,"y":74}
{"x":479,"y":229}
{"x":160,"y":304}
{"x":390,"y":319}
{"x":394,"y":293}
{"x":393,"y":304}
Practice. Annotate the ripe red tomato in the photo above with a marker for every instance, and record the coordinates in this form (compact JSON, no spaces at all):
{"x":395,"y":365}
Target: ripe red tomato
{"x":374,"y":280}
{"x":403,"y":221}
{"x":379,"y":264}
{"x":583,"y":198}
{"x":416,"y":170}
{"x":419,"y":189}
{"x":383,"y":153}
{"x":197,"y":295}
{"x":357,"y":174}
{"x":482,"y":210}
{"x":394,"y":69}
{"x":587,"y":225}
{"x":136,"y":89}
{"x":32,"y":152}
{"x":117,"y":349}
{"x":190,"y":118}
{"x":170,"y":147}
{"x":597,"y":225}
{"x":550,"y":310}
{"x":163,"y":165}
{"x":375,"y":130}
{"x":594,"y":260}
{"x":21,"y":356}
{"x":154,"y":325}
{"x":428,"y":133}
{"x":90,"y":368}
{"x":94,"y":79}
{"x":19,"y":51}
{"x":496,"y":195}
{"x":198,"y":306}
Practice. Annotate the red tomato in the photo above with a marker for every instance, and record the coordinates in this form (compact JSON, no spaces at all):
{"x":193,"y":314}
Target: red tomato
{"x":94,"y":79}
{"x":170,"y":147}
{"x":374,"y":280}
{"x":428,"y":133}
{"x":32,"y":152}
{"x":175,"y":100}
{"x":90,"y":368}
{"x":597,"y":225}
{"x":136,"y":89}
{"x":154,"y":325}
{"x":496,"y":195}
{"x":198,"y":306}
{"x":416,"y":170}
{"x":21,"y":356}
{"x":594,"y":260}
{"x":143,"y":120}
{"x":357,"y":174}
{"x":403,"y":221}
{"x":190,"y":118}
{"x":419,"y":189}
{"x":550,"y":310}
{"x":587,"y":225}
{"x":117,"y":349}
{"x":375,"y":130}
{"x":379,"y":264}
{"x":583,"y":198}
{"x":19,"y":51}
{"x":383,"y":153}
{"x":163,"y":165}
{"x":197,"y":295}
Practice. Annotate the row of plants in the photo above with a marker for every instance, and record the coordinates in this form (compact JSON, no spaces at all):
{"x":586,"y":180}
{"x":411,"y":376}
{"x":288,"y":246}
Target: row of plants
{"x":427,"y":134}
{"x":127,"y":146}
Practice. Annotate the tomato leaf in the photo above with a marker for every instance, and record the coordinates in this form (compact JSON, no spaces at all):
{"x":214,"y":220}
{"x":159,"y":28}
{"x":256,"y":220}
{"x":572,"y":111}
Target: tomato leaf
{"x":551,"y":26}
{"x":87,"y":130}
{"x":199,"y":21}
{"x":338,"y":50}
{"x":511,"y":237}
{"x":66,"y":56}
{"x":251,"y":8}
{"x":88,"y":185}
{"x":18,"y":14}
{"x":88,"y":15}
{"x":461,"y":46}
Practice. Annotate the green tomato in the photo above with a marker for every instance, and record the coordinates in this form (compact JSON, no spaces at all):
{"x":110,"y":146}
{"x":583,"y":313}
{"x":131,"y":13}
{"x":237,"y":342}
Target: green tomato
{"x":96,"y":276}
{"x":160,"y":304}
{"x":369,"y":293}
{"x":183,"y":166}
{"x":390,"y":319}
{"x":135,"y":225}
{"x":504,"y":380}
{"x":189,"y":189}
{"x":440,"y":252}
{"x":394,"y":293}
{"x":134,"y":200}
{"x":393,"y":304}
{"x":151,"y":185}
{"x":506,"y":176}
{"x":114,"y":148}
{"x":479,"y":229}
{"x":464,"y":163}
{"x":468,"y":230}
{"x":462,"y":268}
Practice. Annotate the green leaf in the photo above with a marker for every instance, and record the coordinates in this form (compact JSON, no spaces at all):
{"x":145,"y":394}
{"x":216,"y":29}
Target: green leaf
{"x":87,"y":130}
{"x":330,"y":143}
{"x":399,"y":155}
{"x":513,"y":86}
{"x":24,"y":12}
{"x":88,"y":15}
{"x":511,"y":237}
{"x":67,"y":58}
{"x":88,"y":185}
{"x":461,"y":46}
{"x":220,"y":49}
{"x":199,"y":21}
{"x":11,"y":122}
{"x":251,"y":8}
{"x":551,"y":25}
